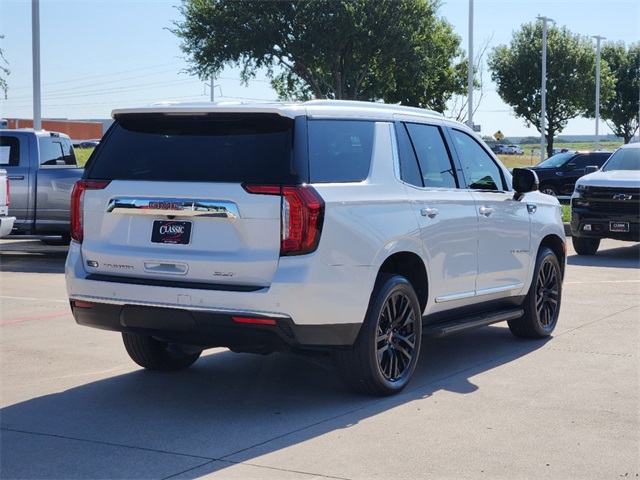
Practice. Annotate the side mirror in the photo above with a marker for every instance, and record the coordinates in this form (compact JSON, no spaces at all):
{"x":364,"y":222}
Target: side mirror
{"x":570,"y":167}
{"x":591,"y":169}
{"x":524,"y":180}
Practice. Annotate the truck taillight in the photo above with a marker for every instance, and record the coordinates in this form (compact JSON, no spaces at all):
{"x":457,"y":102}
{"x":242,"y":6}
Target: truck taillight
{"x":77,"y":205}
{"x":302,"y":216}
{"x":8,"y":191}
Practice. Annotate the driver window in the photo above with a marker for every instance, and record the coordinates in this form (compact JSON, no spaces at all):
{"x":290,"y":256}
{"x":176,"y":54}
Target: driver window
{"x":479,"y":168}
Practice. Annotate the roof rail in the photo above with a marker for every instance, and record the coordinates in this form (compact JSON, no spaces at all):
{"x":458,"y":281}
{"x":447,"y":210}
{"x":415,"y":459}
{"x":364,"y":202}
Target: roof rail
{"x":361,"y":104}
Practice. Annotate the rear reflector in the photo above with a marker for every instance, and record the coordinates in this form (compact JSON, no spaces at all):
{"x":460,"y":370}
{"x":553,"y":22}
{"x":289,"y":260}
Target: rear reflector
{"x":79,"y":304}
{"x":254,"y":321}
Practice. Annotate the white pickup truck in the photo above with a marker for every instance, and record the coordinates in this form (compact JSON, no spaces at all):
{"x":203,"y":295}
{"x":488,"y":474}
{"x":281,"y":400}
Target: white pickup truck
{"x":6,"y":222}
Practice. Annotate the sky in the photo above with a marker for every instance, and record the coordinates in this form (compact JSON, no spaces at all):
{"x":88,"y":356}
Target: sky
{"x":100,"y":55}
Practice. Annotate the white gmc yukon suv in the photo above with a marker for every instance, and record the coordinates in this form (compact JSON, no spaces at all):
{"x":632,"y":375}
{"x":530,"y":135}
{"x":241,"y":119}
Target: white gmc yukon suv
{"x":323,"y":228}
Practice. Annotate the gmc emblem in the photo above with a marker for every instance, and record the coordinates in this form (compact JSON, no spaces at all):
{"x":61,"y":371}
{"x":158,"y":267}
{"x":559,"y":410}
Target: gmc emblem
{"x":166,"y":205}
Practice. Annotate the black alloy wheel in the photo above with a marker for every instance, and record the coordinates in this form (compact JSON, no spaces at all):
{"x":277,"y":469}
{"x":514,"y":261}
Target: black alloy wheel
{"x":547,"y":294}
{"x":542,"y":303}
{"x":396,"y":337}
{"x":385,"y":354}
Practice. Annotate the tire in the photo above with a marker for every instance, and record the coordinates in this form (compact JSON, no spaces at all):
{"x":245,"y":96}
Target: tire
{"x":153,"y":354}
{"x":549,"y":190}
{"x":542,"y":303}
{"x":384,"y":356}
{"x":585,"y":245}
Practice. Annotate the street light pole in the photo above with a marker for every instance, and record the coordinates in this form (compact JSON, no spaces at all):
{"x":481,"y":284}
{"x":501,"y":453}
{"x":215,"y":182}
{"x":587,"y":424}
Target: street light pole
{"x":470,"y":67}
{"x":543,"y":110}
{"x":35,"y":44}
{"x":598,"y":39}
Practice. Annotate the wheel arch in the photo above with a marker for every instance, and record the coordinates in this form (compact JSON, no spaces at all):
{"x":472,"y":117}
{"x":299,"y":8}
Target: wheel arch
{"x":410,"y":266}
{"x":558,"y":246}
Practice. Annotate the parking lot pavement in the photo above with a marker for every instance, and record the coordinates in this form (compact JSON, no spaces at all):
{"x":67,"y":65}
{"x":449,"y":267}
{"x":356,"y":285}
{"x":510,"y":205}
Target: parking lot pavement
{"x":482,"y":404}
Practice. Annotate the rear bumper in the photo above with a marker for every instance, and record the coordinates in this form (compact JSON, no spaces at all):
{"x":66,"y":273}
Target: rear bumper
{"x":319,"y":308}
{"x":212,"y":329}
{"x":6,"y":225}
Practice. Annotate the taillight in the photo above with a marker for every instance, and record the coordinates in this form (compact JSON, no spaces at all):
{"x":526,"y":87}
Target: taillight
{"x":302,"y":216}
{"x":8,"y":191}
{"x":77,"y":207}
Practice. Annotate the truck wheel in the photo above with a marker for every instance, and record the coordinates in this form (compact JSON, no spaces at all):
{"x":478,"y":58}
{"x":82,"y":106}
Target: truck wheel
{"x":385,"y":354}
{"x":549,"y":190}
{"x":585,"y":245}
{"x":153,"y":354}
{"x":542,"y":303}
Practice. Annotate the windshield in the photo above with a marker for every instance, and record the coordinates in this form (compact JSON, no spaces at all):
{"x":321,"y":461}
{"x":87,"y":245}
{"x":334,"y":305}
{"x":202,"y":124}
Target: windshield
{"x":623,"y":159}
{"x":555,"y":161}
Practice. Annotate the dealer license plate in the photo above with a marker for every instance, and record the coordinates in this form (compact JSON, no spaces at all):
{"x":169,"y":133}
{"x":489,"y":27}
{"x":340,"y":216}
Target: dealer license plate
{"x":619,"y":226}
{"x":168,"y":231}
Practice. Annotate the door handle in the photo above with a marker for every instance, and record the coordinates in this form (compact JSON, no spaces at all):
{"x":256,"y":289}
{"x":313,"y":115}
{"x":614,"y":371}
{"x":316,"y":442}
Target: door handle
{"x":429,"y":212}
{"x":486,"y":211}
{"x":15,"y":177}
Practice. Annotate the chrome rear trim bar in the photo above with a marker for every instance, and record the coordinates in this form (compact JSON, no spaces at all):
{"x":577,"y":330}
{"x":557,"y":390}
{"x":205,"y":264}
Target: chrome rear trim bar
{"x":179,"y":207}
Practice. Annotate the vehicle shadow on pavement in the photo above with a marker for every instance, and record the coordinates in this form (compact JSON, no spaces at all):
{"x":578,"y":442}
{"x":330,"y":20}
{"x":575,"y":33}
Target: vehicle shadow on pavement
{"x":47,"y":262}
{"x":627,"y":256}
{"x":226,"y":409}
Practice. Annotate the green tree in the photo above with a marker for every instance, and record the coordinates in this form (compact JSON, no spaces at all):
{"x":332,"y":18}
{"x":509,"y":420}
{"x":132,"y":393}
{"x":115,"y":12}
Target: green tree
{"x":392,"y":50}
{"x":621,"y":109}
{"x":571,"y":65}
{"x":3,"y":71}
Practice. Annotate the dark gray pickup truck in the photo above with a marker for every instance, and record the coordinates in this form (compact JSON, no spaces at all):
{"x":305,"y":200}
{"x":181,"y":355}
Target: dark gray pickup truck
{"x":42,"y":170}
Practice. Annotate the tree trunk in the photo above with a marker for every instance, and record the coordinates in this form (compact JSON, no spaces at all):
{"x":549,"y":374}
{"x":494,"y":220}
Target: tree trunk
{"x":549,"y":138}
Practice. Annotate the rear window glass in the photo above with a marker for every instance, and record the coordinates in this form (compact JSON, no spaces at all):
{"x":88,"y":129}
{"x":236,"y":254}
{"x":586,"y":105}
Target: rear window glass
{"x":9,"y":151}
{"x":340,"y":150}
{"x":232,"y":148}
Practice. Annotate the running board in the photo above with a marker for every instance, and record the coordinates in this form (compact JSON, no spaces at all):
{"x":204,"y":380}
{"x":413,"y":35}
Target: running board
{"x":461,"y":324}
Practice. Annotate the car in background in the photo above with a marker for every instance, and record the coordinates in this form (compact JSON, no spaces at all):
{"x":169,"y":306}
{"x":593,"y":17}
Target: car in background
{"x":558,"y":174}
{"x":514,"y":150}
{"x":606,"y":203}
{"x":499,"y":148}
{"x":556,"y":151}
{"x":89,"y":143}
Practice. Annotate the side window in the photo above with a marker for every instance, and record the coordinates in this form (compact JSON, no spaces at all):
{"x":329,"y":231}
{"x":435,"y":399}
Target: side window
{"x":580,"y":162}
{"x":434,"y":160}
{"x":68,"y":153}
{"x":50,"y":151}
{"x":9,"y":151}
{"x":56,"y":151}
{"x":409,"y":169}
{"x":340,"y":150}
{"x":479,"y":168}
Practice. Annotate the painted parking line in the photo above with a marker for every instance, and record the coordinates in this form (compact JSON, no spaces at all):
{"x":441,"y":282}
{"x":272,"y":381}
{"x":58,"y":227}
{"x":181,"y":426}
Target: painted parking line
{"x":37,"y":317}
{"x":33,"y":299}
{"x":601,"y":281}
